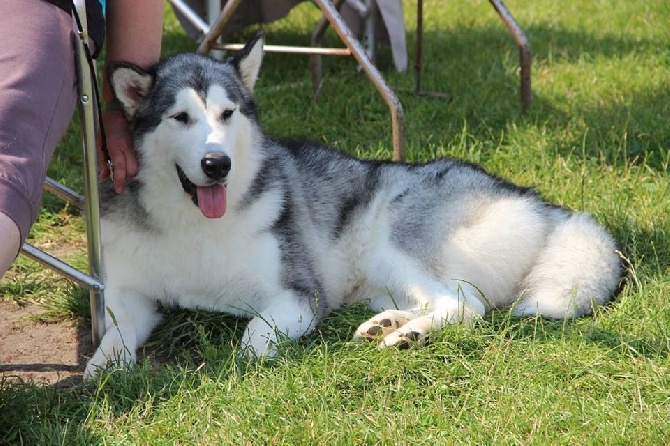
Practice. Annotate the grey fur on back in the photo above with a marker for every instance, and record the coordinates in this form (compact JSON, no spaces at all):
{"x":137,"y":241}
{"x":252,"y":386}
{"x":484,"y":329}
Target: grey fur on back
{"x":336,"y":186}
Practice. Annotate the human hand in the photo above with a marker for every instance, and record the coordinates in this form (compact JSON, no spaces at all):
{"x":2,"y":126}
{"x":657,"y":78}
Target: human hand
{"x":121,"y":150}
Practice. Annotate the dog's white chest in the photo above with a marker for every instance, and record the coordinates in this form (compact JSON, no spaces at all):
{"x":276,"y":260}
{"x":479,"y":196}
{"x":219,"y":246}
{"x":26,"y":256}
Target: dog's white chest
{"x":234,"y":272}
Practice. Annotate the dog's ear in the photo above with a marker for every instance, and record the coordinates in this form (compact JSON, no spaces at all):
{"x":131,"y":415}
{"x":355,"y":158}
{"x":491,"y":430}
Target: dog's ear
{"x":131,"y":85}
{"x":248,"y":60}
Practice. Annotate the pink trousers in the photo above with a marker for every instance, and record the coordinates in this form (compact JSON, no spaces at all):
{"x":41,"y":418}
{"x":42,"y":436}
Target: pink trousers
{"x":38,"y":94}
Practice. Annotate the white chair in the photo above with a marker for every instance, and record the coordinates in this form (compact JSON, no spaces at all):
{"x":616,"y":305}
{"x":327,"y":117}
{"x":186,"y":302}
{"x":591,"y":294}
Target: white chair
{"x":89,"y":201}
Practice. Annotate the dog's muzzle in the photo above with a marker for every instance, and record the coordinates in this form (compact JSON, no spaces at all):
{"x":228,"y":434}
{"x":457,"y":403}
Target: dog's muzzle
{"x":211,"y":198}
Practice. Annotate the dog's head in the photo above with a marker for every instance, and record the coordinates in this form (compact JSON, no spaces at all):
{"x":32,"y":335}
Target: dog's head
{"x":190,"y":115}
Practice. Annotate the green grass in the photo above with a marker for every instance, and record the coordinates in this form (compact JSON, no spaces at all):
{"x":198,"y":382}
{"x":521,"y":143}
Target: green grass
{"x":596,"y":139}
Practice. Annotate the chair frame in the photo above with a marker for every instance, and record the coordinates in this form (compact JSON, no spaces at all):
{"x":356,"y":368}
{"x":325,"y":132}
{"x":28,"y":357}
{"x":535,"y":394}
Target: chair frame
{"x":89,"y":202}
{"x":219,"y":17}
{"x":331,"y":16}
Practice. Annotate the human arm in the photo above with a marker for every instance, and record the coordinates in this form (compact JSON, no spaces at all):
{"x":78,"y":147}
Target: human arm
{"x":134,"y":32}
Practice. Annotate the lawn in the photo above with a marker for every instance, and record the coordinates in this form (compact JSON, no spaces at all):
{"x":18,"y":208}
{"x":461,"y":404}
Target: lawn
{"x":597,"y":139}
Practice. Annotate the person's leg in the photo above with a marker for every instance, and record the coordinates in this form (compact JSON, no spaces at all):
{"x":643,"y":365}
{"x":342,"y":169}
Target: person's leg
{"x":37,"y":99}
{"x":11,"y":237}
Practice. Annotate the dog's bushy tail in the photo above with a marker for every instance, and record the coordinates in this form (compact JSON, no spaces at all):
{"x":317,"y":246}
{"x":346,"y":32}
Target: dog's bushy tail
{"x":577,"y":270}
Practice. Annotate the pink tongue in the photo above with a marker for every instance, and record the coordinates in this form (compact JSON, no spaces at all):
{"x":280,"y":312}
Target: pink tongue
{"x":212,"y":200}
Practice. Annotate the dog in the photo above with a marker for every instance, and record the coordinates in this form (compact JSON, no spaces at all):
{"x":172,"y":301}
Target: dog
{"x":221,"y":217}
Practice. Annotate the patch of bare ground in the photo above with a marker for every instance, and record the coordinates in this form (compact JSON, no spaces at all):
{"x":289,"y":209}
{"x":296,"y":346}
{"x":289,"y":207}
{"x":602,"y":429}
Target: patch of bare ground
{"x":50,"y":353}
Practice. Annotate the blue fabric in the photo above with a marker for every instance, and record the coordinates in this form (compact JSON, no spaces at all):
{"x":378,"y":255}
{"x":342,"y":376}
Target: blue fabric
{"x":103,"y":3}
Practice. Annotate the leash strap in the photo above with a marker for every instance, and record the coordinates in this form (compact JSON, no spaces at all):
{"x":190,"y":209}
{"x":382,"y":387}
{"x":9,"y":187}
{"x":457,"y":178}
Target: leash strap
{"x":89,"y":60}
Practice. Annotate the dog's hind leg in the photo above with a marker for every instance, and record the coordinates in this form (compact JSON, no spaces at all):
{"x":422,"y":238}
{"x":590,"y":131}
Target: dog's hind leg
{"x":130,"y":318}
{"x":446,"y":306}
{"x":418,"y":304}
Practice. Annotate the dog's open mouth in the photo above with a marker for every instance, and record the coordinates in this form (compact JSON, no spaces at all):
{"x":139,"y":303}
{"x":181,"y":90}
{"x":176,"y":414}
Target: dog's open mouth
{"x":211,"y":200}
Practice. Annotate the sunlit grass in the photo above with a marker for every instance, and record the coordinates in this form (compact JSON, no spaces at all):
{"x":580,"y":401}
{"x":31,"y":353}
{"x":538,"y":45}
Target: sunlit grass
{"x":596,"y":140}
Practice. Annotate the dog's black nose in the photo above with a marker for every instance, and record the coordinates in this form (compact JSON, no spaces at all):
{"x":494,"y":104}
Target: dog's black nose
{"x":216,"y":165}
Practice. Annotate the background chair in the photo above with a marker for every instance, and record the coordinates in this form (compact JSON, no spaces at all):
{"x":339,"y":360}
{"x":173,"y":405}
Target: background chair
{"x":220,"y":17}
{"x":207,"y":20}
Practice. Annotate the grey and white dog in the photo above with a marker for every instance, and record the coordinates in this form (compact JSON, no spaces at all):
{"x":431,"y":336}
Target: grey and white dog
{"x":220,"y":217}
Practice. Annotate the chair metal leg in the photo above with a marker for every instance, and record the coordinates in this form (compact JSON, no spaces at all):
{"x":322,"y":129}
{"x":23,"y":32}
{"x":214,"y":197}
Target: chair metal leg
{"x":354,"y":48}
{"x":89,"y":202}
{"x":524,"y":52}
{"x":216,"y":29}
{"x":519,"y":37}
{"x":418,"y":57}
{"x":315,"y":59}
{"x":61,"y":267}
{"x":191,"y":16}
{"x":392,"y":101}
{"x":92,"y":202}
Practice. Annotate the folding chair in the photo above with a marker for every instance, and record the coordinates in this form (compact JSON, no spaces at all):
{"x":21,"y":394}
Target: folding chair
{"x":331,"y":17}
{"x":89,"y":201}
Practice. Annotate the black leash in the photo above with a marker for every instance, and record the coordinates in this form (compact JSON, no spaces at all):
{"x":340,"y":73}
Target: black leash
{"x":91,"y":66}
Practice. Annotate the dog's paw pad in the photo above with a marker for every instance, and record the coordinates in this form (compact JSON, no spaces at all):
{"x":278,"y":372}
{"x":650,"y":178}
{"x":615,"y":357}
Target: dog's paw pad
{"x":374,"y":329}
{"x":412,"y":336}
{"x":403,"y":345}
{"x":403,"y":340}
{"x":371,"y":330}
{"x":382,"y":325}
{"x":388,"y":323}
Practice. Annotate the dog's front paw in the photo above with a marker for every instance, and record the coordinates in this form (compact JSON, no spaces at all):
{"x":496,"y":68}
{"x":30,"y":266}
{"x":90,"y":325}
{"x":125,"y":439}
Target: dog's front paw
{"x":259,"y":339}
{"x":92,"y":368}
{"x":98,"y":363}
{"x":404,"y":338}
{"x":382,"y":324}
{"x":111,"y":352}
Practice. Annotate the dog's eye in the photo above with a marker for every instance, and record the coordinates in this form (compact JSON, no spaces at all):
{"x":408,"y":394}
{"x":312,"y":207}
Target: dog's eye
{"x":181,"y":117}
{"x":227,"y":114}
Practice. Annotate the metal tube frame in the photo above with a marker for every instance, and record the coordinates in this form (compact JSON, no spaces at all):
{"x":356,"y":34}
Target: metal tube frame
{"x":524,"y":52}
{"x":392,"y":101}
{"x":290,"y":49}
{"x":215,"y":31}
{"x":90,"y":201}
{"x":418,"y":57}
{"x":354,"y":48}
{"x":519,"y":37}
{"x":315,"y":59}
{"x":64,"y":192}
{"x":190,"y":15}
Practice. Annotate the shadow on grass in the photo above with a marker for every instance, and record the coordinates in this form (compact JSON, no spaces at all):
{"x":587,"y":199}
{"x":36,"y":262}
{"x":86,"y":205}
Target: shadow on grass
{"x":193,"y":347}
{"x":476,"y":68}
{"x":33,"y":413}
{"x":546,"y":330}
